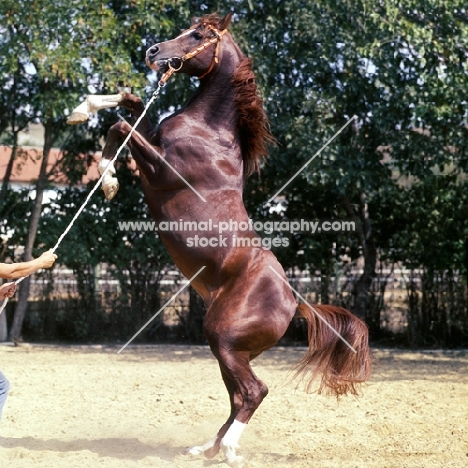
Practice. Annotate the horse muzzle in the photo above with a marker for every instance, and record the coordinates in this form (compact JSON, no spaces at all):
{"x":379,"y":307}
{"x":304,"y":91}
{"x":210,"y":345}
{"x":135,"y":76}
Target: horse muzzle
{"x":163,"y":65}
{"x":157,"y":65}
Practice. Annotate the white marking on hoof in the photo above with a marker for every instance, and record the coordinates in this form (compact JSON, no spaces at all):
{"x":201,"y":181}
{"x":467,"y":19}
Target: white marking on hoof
{"x":230,"y":443}
{"x":196,"y":451}
{"x":101,"y":101}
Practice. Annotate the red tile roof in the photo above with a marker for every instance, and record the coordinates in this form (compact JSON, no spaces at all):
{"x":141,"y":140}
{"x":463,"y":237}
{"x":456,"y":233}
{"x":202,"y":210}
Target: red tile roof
{"x":28,"y":162}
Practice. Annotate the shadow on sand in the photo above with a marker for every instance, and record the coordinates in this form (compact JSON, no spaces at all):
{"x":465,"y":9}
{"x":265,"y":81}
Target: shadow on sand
{"x":123,"y":448}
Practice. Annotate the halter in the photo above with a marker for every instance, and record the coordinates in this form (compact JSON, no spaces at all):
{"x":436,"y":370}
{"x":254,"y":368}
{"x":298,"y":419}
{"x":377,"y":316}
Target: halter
{"x":176,"y":63}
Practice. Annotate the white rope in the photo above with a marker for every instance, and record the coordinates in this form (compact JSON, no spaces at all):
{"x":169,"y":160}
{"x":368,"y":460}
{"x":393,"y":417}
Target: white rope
{"x":98,"y":183}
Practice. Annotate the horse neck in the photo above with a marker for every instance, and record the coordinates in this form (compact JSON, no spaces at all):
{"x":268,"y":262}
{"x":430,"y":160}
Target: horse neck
{"x":214,"y":98}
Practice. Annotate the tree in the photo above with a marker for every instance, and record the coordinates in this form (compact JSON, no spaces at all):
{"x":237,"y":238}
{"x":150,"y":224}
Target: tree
{"x":137,"y":259}
{"x":62,"y":62}
{"x":399,"y":69}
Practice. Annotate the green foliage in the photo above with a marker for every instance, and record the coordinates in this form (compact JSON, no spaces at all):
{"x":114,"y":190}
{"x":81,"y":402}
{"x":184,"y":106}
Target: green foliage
{"x":400,"y":67}
{"x":136,"y":259}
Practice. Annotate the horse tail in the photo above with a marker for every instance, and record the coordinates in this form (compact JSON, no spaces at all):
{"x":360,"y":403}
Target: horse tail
{"x":342,"y":366}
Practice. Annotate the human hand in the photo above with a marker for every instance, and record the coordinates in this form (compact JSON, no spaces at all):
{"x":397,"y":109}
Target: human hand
{"x":47,"y":259}
{"x":7,"y":290}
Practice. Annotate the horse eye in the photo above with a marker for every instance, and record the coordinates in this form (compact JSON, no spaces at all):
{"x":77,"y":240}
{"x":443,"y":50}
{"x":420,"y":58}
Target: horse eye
{"x":197,"y":35}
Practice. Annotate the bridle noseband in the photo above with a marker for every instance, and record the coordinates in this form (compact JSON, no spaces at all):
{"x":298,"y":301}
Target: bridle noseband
{"x":176,"y":63}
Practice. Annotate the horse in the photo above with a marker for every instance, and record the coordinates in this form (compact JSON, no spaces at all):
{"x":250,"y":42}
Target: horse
{"x":209,"y":147}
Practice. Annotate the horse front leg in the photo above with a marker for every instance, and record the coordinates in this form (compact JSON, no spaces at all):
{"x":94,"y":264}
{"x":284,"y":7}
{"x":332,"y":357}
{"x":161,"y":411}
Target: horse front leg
{"x":92,"y":104}
{"x":117,"y":132}
{"x":144,"y":153}
{"x":96,"y":102}
{"x":115,"y":138}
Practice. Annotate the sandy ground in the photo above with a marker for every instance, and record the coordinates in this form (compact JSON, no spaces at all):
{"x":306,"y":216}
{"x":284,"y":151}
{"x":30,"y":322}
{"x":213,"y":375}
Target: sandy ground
{"x":90,"y":407}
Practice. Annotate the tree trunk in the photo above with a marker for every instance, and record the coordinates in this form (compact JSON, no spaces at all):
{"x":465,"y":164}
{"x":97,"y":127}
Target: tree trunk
{"x":362,"y":304}
{"x":23,"y":295}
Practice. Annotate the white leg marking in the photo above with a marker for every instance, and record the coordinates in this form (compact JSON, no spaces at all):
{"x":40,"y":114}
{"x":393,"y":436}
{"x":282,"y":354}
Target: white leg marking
{"x":110,"y":184}
{"x":230,"y":442}
{"x":102,"y":101}
{"x":92,"y":104}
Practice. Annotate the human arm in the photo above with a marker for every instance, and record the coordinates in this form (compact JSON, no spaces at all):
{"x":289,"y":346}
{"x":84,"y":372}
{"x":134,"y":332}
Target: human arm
{"x":18,"y":270}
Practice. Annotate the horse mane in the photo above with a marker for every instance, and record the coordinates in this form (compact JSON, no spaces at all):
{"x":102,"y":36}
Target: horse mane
{"x":252,"y":122}
{"x":213,"y":19}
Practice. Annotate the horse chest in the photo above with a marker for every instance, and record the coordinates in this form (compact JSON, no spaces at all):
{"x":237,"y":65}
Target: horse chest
{"x":206,"y":159}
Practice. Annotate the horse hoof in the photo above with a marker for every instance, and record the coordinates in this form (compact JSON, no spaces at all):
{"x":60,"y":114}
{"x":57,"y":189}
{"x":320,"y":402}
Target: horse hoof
{"x":77,"y":118}
{"x":195,"y":451}
{"x":110,"y":190}
{"x":236,"y":462}
{"x":209,"y":450}
{"x":79,"y":114}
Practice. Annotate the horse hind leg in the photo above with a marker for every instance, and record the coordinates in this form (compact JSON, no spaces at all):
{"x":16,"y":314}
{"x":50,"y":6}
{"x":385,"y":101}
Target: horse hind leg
{"x":251,"y":392}
{"x":246,"y":393}
{"x":213,"y":446}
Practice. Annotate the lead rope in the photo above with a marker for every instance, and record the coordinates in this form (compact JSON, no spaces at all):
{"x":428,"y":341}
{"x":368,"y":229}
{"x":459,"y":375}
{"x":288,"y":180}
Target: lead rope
{"x":161,"y":84}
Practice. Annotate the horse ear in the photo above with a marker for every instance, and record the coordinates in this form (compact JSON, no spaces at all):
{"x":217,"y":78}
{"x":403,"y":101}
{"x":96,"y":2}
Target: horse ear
{"x":224,"y":23}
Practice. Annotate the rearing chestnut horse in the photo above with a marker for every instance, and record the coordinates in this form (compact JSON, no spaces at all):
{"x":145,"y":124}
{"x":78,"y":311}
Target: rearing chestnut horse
{"x":214,"y":142}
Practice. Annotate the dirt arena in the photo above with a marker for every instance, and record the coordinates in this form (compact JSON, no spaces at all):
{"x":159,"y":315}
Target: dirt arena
{"x":90,"y":407}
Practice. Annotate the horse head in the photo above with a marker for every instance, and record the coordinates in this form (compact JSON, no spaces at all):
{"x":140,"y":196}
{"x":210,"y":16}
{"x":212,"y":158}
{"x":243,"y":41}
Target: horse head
{"x":194,"y":51}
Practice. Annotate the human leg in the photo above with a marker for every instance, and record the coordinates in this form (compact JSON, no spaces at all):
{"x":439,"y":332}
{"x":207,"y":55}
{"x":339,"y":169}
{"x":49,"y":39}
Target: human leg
{"x":4,"y":388}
